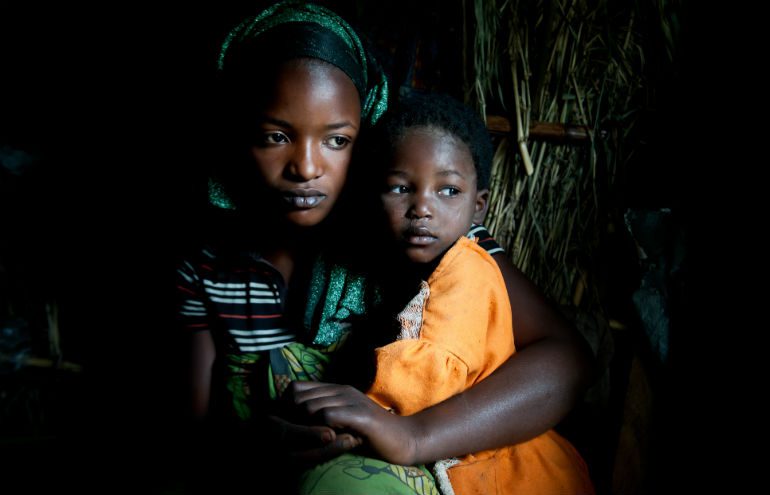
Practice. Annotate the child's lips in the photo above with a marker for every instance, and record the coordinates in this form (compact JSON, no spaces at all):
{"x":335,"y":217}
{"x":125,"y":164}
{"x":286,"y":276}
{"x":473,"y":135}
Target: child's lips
{"x":303,"y":198}
{"x":419,"y":236}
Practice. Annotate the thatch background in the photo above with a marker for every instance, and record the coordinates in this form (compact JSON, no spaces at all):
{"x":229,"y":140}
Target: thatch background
{"x":569,"y":62}
{"x":566,"y":87}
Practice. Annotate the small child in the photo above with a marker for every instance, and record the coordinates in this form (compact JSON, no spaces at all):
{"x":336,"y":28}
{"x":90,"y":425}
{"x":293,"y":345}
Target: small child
{"x":456,"y":330}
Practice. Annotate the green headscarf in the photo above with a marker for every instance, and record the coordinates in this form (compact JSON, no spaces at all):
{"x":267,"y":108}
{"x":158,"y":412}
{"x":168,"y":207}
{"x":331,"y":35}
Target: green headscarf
{"x":304,"y":31}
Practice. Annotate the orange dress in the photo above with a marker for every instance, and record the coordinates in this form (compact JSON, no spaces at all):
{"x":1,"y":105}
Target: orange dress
{"x":455,"y":333}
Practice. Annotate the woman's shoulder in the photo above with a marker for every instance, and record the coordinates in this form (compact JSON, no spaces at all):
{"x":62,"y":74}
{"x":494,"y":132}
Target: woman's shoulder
{"x":214,"y":258}
{"x":199,"y":253}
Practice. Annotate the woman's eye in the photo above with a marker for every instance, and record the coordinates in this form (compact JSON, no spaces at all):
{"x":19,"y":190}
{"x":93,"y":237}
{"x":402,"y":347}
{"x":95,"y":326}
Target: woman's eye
{"x":449,"y":191}
{"x":275,"y":138}
{"x":337,"y":142}
{"x":398,"y":189}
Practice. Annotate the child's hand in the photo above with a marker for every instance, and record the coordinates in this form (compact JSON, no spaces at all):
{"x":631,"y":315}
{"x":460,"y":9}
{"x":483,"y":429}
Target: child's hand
{"x":345,"y":408}
{"x":312,"y":444}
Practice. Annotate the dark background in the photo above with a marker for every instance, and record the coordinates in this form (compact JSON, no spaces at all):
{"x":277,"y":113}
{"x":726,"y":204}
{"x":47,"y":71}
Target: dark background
{"x":110,"y":101}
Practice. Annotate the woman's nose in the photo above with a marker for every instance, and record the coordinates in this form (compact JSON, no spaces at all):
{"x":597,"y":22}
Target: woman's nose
{"x":304,"y":164}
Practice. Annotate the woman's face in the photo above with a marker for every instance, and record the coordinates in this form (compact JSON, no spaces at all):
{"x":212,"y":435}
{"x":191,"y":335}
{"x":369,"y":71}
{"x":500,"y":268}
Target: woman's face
{"x":304,"y":139}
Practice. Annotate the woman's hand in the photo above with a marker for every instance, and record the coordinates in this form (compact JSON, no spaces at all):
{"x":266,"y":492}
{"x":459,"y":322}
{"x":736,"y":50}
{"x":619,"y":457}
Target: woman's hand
{"x":357,"y":418}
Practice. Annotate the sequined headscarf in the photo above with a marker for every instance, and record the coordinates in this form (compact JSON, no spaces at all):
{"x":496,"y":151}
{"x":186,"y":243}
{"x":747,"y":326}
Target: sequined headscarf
{"x":289,"y":30}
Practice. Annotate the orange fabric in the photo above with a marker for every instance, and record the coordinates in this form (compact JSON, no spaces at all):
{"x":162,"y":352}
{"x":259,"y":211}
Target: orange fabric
{"x":545,"y":465}
{"x":465,"y":335}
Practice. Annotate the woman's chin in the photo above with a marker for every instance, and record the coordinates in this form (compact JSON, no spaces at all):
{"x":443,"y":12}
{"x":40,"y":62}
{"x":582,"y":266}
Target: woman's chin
{"x":306,"y":217}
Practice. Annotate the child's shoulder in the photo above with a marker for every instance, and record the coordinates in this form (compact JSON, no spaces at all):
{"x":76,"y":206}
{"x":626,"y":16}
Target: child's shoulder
{"x":466,"y":258}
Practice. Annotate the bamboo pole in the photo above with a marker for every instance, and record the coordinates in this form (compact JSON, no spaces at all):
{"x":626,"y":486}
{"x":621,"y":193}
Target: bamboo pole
{"x":38,"y":362}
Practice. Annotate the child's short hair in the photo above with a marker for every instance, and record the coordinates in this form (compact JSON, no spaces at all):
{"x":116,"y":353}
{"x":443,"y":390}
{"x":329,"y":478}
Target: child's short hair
{"x":444,"y":113}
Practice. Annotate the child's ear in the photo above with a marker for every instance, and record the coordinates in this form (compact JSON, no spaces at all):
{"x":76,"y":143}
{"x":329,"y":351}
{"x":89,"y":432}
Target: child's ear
{"x":482,"y":204}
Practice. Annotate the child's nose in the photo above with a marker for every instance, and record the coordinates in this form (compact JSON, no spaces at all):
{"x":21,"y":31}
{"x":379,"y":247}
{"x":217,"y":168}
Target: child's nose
{"x":421,"y":207}
{"x":304,"y":164}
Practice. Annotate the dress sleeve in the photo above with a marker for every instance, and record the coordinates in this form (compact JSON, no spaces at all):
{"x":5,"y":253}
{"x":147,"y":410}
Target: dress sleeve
{"x":464,"y":334}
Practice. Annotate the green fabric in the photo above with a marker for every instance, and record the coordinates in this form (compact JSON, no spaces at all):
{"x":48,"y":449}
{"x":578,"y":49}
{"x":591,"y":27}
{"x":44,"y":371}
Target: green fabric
{"x":218,"y":197}
{"x":294,"y":361}
{"x":336,"y":294}
{"x":305,"y":363}
{"x":348,"y":473}
{"x":240,"y":368}
{"x":352,"y":474}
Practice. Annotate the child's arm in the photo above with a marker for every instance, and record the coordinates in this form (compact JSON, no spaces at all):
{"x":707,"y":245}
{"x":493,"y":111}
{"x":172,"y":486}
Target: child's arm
{"x":551,"y":370}
{"x":526,"y":396}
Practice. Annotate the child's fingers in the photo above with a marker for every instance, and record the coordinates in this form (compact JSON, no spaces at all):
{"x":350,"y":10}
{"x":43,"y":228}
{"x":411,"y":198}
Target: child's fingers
{"x":304,"y":385}
{"x":325,"y":402}
{"x":304,"y":436}
{"x":303,"y":392}
{"x":348,"y":440}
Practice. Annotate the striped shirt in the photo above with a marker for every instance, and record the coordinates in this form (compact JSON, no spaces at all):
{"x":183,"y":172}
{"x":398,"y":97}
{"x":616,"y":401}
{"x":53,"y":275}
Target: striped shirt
{"x":486,"y":240}
{"x":243,"y":302}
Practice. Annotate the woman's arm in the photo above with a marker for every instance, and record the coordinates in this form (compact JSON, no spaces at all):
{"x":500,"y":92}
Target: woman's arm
{"x":201,"y":363}
{"x":309,"y":442}
{"x":528,"y":395}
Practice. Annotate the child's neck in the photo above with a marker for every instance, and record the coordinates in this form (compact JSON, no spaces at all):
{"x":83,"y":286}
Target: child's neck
{"x":424,"y":270}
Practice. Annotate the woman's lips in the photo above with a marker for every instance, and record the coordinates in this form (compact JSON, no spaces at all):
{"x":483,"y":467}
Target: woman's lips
{"x":303,"y":199}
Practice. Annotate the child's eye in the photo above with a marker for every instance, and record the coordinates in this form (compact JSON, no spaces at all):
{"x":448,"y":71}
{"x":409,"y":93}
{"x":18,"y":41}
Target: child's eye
{"x":337,"y":142}
{"x":448,"y":191}
{"x":275,"y":138}
{"x":398,"y":189}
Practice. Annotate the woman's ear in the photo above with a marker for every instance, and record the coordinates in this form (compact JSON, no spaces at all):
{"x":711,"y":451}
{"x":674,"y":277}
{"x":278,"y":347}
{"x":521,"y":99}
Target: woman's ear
{"x":482,"y":204}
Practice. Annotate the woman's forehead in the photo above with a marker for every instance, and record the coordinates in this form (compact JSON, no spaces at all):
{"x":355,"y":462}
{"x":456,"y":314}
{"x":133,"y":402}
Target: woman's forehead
{"x":314,"y":76}
{"x":304,"y":87}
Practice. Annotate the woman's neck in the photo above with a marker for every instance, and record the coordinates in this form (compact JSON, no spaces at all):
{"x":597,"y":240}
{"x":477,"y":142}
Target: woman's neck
{"x":291,"y":247}
{"x":283,"y":261}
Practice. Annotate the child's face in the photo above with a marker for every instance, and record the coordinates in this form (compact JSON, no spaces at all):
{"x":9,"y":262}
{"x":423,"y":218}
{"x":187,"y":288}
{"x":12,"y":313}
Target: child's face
{"x":431,"y":197}
{"x":304,"y":139}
